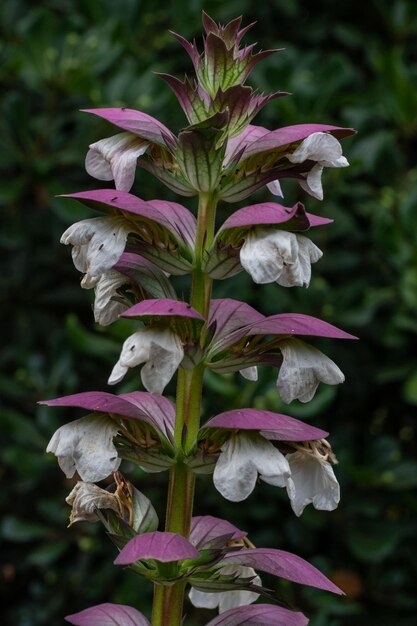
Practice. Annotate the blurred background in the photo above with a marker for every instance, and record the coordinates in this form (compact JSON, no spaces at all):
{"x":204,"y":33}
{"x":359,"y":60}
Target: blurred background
{"x":349,"y":64}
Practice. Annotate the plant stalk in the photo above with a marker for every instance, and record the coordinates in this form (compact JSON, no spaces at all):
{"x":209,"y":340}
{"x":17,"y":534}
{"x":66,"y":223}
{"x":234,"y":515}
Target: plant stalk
{"x":168,"y":601}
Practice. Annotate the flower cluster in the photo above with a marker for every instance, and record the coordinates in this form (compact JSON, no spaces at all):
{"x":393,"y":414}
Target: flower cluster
{"x":128,"y":255}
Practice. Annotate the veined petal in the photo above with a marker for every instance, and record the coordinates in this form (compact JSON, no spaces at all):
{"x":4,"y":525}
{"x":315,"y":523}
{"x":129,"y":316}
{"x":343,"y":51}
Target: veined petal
{"x":86,"y":498}
{"x":86,"y":446}
{"x":314,"y":482}
{"x":115,"y":158}
{"x":242,"y":458}
{"x":107,"y":310}
{"x":303,"y":368}
{"x":266,"y":251}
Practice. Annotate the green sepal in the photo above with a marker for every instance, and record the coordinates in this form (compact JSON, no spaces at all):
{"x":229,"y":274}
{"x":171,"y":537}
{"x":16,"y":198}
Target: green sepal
{"x":200,"y":152}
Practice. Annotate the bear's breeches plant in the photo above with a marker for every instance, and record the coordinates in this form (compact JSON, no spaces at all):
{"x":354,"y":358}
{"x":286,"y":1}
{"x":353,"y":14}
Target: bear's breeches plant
{"x":129,"y":252}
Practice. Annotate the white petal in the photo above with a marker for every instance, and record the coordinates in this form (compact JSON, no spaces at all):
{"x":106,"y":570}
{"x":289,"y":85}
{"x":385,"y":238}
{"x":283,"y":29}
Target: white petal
{"x":299,"y":273}
{"x":303,"y":368}
{"x":79,"y":257}
{"x":135,"y":350}
{"x":250,"y":373}
{"x":107,"y":244}
{"x":118,"y":372}
{"x":242,"y":458}
{"x":98,"y":244}
{"x":265,"y":251}
{"x":317,"y":147}
{"x":107,"y":310}
{"x":116,"y":157}
{"x":312,"y":183}
{"x":160,"y":350}
{"x":314,"y":481}
{"x":86,"y":498}
{"x":236,"y":598}
{"x":203,"y":599}
{"x":239,"y":597}
{"x":97,"y":166}
{"x":165,"y":355}
{"x":86,"y":446}
{"x":275,"y":188}
{"x":226,"y":600}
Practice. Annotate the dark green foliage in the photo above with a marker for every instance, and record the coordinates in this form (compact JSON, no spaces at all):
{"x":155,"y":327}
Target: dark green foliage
{"x":351,"y":64}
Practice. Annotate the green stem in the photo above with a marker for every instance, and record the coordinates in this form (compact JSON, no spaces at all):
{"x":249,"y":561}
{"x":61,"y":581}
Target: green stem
{"x":168,"y":601}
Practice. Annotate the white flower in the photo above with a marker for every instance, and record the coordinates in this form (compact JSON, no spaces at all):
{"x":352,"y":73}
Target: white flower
{"x":115,"y":158}
{"x":271,"y":255}
{"x":98,"y":244}
{"x":314,"y":481}
{"x":327,"y":151}
{"x":225,"y":600}
{"x":86,"y":498}
{"x":160,"y":350}
{"x":106,"y":309}
{"x":303,"y":368}
{"x":243,"y":457}
{"x":86,"y":446}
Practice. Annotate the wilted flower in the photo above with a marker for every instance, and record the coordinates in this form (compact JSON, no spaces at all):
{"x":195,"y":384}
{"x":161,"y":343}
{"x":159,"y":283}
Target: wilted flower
{"x":271,"y":255}
{"x":242,"y":459}
{"x":327,"y":151}
{"x":313,"y":477}
{"x":86,"y":498}
{"x":98,"y":243}
{"x":114,"y":158}
{"x":225,"y":600}
{"x":86,"y":446}
{"x":303,"y":368}
{"x":160,"y":349}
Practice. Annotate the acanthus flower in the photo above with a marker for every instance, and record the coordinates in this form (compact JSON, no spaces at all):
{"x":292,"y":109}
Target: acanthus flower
{"x":98,"y":243}
{"x":326,"y":151}
{"x":242,"y":459}
{"x":313,"y":477}
{"x":240,"y":346}
{"x":303,"y":368}
{"x":265,"y":239}
{"x":115,"y":158}
{"x":159,"y":349}
{"x":86,"y":446}
{"x":247,"y":451}
{"x":270,"y":255}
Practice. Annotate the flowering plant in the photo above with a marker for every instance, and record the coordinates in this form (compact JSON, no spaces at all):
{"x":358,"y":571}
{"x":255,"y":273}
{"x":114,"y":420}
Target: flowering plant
{"x":127,"y":256}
